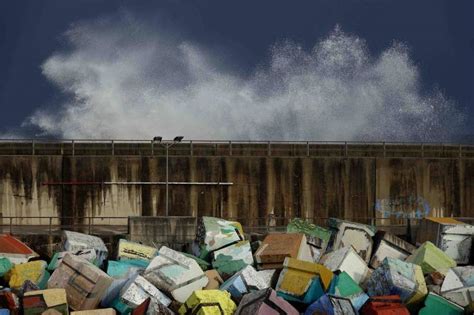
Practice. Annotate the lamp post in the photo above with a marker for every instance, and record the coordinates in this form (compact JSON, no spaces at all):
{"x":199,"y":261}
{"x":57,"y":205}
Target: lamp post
{"x":167,"y":145}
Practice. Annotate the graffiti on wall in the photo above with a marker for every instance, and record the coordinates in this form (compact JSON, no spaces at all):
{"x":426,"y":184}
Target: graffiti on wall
{"x":410,"y":207}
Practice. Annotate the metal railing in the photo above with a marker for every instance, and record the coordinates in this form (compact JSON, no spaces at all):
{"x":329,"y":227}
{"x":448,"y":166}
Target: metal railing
{"x":236,"y":148}
{"x":54,"y":225}
{"x":120,"y":225}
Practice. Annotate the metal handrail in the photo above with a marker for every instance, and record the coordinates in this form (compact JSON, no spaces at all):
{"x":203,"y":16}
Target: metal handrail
{"x":98,"y":147}
{"x":199,"y":141}
{"x":91,"y":219}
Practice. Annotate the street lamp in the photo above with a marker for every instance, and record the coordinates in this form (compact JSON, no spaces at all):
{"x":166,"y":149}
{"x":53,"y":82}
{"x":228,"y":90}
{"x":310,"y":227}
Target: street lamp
{"x":167,"y":145}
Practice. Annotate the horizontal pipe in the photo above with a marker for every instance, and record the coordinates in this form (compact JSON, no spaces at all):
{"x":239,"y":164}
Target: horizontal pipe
{"x":140,"y":183}
{"x":171,"y":183}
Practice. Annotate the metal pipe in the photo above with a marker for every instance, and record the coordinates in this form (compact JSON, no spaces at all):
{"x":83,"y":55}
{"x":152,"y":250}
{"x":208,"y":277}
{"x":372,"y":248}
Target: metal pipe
{"x":142,"y":183}
{"x":171,"y":183}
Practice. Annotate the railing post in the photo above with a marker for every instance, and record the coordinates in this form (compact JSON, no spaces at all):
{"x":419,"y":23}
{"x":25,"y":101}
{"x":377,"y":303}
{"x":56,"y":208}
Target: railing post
{"x":384,"y":150}
{"x":33,"y":147}
{"x":230,"y":148}
{"x":460,"y":151}
{"x":269,"y":150}
{"x":152,"y":147}
{"x":345,"y":148}
{"x":422,"y":150}
{"x":73,"y":148}
{"x":307,"y":148}
{"x":113,"y":147}
{"x":191,"y":147}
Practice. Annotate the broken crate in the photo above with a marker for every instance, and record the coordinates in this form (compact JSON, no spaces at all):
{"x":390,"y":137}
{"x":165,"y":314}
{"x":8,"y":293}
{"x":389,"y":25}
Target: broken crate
{"x":317,"y":237}
{"x":357,"y":235}
{"x":15,"y":250}
{"x":303,"y":281}
{"x":137,"y":291}
{"x":85,"y":284}
{"x":346,"y":259}
{"x":243,"y":282}
{"x":458,"y":286}
{"x":437,"y":305}
{"x":331,"y":305}
{"x":35,"y":271}
{"x":431,"y":259}
{"x":215,"y":280}
{"x":176,"y":274}
{"x":208,"y":302}
{"x":342,"y":285}
{"x":388,"y":245}
{"x":278,"y":246}
{"x":38,"y":302}
{"x":87,"y":254}
{"x":450,"y":235}
{"x":384,"y":305}
{"x":214,"y":233}
{"x":75,"y":241}
{"x":264,"y":302}
{"x":394,"y":276}
{"x":128,"y":250}
{"x":228,"y":260}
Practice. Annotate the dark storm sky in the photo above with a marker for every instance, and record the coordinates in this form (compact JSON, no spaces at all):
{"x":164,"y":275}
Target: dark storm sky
{"x":439,"y":33}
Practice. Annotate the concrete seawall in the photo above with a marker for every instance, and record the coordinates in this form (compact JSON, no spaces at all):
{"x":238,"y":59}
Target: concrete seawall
{"x":291,"y":183}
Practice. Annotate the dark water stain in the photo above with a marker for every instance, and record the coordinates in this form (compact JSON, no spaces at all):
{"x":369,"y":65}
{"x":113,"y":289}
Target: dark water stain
{"x":279,"y":198}
{"x":468,"y":187}
{"x":319,"y":200}
{"x":128,"y":170}
{"x":298,"y":187}
{"x":85,"y":197}
{"x":224,"y":190}
{"x":204,"y":171}
{"x":180,"y":195}
{"x":261,"y":180}
{"x":159,"y":192}
{"x":328,"y":186}
{"x":67,"y":192}
{"x":48,"y":172}
{"x":403,"y":182}
{"x":444,"y":178}
{"x":146,"y":198}
{"x":456,"y":190}
{"x":335,"y":172}
{"x":48,"y":169}
{"x":239,"y":189}
{"x":361,"y":188}
{"x":338,"y":187}
{"x":20,"y":174}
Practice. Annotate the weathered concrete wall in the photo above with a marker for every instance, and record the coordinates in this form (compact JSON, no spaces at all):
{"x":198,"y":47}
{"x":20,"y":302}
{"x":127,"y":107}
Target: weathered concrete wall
{"x":21,"y":191}
{"x":289,"y":186}
{"x":414,"y":188}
